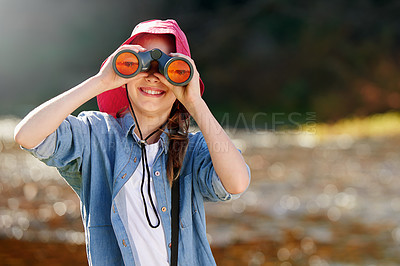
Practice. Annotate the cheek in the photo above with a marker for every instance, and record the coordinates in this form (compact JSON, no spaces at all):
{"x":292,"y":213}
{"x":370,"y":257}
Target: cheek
{"x":131,"y":89}
{"x":131,"y":85}
{"x":171,"y":97}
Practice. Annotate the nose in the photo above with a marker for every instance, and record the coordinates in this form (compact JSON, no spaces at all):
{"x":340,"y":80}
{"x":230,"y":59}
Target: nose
{"x":150,"y":73}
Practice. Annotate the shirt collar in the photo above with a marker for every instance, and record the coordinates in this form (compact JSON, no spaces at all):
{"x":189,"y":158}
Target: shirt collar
{"x":128,"y":125}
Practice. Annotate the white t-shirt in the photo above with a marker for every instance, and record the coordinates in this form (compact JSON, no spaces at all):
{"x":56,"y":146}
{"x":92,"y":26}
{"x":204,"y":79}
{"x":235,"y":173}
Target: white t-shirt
{"x":149,"y":243}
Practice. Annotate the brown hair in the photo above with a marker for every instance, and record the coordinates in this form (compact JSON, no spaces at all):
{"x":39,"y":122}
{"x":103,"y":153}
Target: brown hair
{"x":178,"y":127}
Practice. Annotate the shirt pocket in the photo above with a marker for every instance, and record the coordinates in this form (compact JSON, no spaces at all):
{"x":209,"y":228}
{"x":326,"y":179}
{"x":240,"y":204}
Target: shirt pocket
{"x":188,"y":208}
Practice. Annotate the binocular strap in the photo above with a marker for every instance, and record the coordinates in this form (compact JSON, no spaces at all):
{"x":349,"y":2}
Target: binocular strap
{"x":174,"y":193}
{"x":146,"y":170}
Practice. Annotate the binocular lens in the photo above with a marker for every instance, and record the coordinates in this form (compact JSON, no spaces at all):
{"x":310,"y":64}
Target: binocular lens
{"x":127,"y":63}
{"x":179,"y":71}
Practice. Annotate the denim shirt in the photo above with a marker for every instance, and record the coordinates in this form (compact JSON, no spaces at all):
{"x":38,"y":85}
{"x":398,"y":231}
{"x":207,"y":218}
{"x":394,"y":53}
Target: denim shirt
{"x":97,"y":154}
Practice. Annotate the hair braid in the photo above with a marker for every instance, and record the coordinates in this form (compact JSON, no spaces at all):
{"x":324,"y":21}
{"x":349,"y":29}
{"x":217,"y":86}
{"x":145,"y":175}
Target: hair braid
{"x":177,"y":126}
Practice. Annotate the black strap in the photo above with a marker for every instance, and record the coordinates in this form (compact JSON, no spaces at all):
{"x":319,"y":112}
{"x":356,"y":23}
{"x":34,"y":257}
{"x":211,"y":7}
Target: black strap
{"x":146,"y":169}
{"x":175,"y":222}
{"x":174,"y":192}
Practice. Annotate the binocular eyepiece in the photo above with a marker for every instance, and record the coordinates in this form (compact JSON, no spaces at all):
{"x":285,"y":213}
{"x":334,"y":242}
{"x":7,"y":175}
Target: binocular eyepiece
{"x":177,"y":70}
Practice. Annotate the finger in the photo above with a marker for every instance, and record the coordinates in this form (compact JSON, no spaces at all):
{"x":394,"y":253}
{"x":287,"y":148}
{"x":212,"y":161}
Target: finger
{"x":195,"y":72}
{"x":179,"y":54}
{"x":140,"y":75}
{"x":182,"y":55}
{"x":177,"y":90}
{"x":136,"y":77}
{"x":163,"y":80}
{"x":135,"y":47}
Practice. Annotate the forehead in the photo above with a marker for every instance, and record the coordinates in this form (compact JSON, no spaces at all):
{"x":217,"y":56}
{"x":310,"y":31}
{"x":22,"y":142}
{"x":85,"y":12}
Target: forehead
{"x":164,"y":42}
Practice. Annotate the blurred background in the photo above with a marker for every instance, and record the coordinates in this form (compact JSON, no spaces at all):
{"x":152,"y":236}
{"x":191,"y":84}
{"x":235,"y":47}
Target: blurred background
{"x":308,"y":90}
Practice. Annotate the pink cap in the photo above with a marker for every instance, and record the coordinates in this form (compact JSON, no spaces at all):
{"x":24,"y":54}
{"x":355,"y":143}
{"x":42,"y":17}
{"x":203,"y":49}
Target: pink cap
{"x":114,"y":100}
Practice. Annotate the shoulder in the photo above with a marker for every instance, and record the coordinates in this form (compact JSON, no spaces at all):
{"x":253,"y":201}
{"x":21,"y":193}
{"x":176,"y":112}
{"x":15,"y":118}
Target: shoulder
{"x":99,"y":122}
{"x":96,"y":117}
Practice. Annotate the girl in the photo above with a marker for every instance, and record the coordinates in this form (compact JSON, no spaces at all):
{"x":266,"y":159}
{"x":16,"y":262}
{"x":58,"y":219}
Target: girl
{"x":123,"y":161}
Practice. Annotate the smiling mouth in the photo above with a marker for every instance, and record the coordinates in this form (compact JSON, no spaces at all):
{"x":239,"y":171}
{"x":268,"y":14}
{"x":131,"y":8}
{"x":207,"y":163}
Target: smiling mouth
{"x":151,"y":91}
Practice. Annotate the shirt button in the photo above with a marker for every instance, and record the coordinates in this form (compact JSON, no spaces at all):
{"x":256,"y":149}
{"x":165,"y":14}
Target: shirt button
{"x":134,"y":160}
{"x":169,"y":245}
{"x":163,"y":209}
{"x":157,"y":173}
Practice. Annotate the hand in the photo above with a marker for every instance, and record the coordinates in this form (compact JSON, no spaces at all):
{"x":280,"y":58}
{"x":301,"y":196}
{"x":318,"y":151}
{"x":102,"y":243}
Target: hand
{"x":107,"y":75}
{"x":190,"y":94}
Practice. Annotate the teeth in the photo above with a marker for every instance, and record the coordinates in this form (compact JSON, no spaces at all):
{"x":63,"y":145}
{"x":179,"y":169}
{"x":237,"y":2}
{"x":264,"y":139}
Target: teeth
{"x":152,"y":92}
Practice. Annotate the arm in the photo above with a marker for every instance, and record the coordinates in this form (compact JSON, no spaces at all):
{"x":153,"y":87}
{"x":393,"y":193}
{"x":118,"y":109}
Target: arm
{"x":227,"y":160}
{"x":46,"y":118}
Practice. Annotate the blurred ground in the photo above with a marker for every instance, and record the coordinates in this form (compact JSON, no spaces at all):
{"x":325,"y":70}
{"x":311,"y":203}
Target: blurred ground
{"x":311,"y":202}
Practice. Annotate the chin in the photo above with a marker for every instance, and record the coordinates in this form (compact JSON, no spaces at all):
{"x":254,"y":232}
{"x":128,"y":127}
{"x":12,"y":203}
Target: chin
{"x":155,"y":109}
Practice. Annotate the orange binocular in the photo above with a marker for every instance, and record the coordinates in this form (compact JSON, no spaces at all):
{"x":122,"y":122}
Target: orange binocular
{"x":177,"y":70}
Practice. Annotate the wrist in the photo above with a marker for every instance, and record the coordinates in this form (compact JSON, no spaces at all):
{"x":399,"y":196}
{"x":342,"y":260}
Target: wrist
{"x":100,"y":84}
{"x":196,"y":107}
{"x":199,"y":111}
